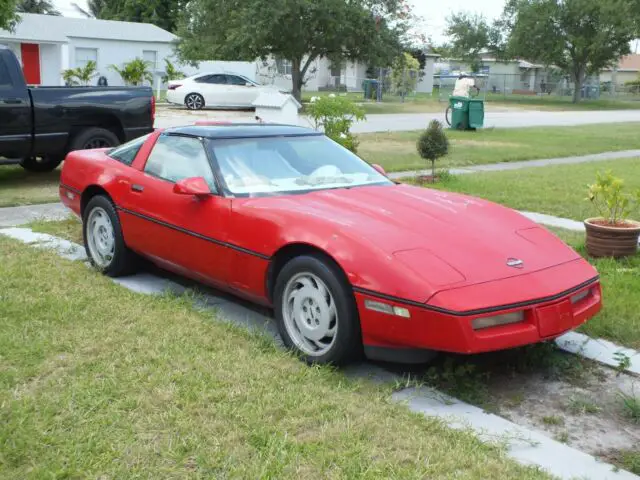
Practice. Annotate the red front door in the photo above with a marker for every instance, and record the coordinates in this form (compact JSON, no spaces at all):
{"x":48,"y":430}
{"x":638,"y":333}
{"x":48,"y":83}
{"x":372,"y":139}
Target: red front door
{"x":31,"y":62}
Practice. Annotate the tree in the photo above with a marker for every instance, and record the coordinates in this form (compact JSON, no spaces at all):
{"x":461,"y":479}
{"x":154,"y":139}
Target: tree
{"x":433,"y":144}
{"x":581,"y":37}
{"x":300,"y":31}
{"x":404,"y":74}
{"x":134,"y":72}
{"x":37,"y":6}
{"x":8,"y":17}
{"x":163,"y":13}
{"x":469,"y":35}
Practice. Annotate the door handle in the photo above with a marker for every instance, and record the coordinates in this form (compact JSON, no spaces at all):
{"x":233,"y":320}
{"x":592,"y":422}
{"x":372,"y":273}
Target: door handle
{"x":137,"y":188}
{"x":11,"y":101}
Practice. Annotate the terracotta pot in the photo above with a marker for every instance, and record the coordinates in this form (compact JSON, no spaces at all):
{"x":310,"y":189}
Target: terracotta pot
{"x":609,"y":241}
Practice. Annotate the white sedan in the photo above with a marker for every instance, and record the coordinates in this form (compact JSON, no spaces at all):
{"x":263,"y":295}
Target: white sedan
{"x":222,"y":90}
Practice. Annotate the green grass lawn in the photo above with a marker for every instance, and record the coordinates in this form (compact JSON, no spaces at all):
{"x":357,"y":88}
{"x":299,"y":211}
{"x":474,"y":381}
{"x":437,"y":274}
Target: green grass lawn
{"x":396,"y":151}
{"x":559,"y":190}
{"x":19,"y":187}
{"x":100,"y":382}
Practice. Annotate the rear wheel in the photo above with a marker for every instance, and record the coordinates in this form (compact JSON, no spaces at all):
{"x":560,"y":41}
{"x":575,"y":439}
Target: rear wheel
{"x":194,"y":101}
{"x":316,"y":312}
{"x":45,"y":163}
{"x":447,"y":115}
{"x":94,"y":138}
{"x":103,"y":239}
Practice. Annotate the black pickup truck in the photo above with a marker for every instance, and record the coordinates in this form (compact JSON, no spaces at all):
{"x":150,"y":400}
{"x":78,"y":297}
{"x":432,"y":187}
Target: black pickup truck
{"x":40,"y":125}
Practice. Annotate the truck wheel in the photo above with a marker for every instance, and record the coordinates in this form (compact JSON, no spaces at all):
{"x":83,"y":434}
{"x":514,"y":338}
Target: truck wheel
{"x":47,"y":163}
{"x":94,"y":138}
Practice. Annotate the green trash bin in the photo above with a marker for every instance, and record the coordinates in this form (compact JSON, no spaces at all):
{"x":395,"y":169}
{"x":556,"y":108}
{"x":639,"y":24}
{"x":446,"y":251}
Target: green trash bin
{"x":466,"y":113}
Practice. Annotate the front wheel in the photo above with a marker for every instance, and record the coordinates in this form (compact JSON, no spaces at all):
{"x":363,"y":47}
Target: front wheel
{"x":103,"y":239}
{"x":316,"y":311}
{"x":42,"y":164}
{"x":447,"y":115}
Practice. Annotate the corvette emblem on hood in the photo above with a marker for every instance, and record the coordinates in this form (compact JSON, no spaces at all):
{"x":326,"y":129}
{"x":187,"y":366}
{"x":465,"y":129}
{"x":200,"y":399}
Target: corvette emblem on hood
{"x":515,"y":263}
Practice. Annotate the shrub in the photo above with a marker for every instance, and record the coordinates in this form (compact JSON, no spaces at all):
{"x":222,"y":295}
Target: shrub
{"x":171,"y":72}
{"x":134,"y":72}
{"x":336,"y":115}
{"x":609,"y":199}
{"x":80,"y":75}
{"x":433,"y":144}
{"x":404,"y":75}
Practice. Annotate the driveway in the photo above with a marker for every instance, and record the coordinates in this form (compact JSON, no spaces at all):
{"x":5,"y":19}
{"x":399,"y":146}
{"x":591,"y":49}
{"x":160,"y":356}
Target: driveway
{"x":416,"y":121}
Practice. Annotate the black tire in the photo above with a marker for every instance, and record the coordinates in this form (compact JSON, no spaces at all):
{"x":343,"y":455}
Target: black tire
{"x":47,"y":163}
{"x":124,"y":261}
{"x":447,"y":115}
{"x":94,"y":138}
{"x":347,"y":345}
{"x":194,"y":101}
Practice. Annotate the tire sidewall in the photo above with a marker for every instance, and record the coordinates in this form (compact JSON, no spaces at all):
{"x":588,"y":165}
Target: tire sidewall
{"x":186,"y":103}
{"x":348,"y":343}
{"x":82,"y":138}
{"x":120,"y":262}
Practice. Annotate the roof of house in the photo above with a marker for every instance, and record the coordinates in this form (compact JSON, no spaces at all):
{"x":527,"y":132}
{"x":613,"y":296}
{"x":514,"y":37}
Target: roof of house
{"x":56,"y":29}
{"x":630,"y":63}
{"x":243,"y":130}
{"x":274,"y":99}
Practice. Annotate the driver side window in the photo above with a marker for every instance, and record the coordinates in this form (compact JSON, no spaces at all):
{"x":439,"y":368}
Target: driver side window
{"x":175,"y":158}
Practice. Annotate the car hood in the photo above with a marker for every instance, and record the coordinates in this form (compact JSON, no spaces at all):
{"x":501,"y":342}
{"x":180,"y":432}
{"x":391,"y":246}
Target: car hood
{"x":451,"y":239}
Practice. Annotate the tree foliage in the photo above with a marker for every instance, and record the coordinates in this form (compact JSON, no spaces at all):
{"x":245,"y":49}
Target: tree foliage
{"x":433,"y":144}
{"x":581,"y":37}
{"x":297,"y":30}
{"x":8,"y":16}
{"x":163,"y":13}
{"x":404,"y":74}
{"x":470,"y":36}
{"x":45,"y":7}
{"x":134,"y":72}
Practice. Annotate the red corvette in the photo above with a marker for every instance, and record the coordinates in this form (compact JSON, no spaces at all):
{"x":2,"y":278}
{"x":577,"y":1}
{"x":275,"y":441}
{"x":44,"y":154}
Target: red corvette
{"x":349,"y":260}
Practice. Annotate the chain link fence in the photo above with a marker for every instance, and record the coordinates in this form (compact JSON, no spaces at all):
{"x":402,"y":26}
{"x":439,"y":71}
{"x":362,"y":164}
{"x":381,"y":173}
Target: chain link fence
{"x":381,"y":85}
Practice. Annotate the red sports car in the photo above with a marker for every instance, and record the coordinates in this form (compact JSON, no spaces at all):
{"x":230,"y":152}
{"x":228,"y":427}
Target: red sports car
{"x":349,"y":260}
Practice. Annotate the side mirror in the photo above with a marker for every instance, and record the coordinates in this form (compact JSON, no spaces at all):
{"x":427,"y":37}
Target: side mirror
{"x":192,"y":186}
{"x":249,"y":84}
{"x":379,"y":169}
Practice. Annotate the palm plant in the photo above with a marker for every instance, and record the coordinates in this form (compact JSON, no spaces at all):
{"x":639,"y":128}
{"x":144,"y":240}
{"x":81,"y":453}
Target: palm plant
{"x":37,"y":6}
{"x":171,"y":72}
{"x":80,"y":75}
{"x":134,"y":72}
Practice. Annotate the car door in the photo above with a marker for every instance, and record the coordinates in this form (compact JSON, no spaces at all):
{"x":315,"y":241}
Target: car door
{"x":180,"y":232}
{"x":214,"y":89}
{"x":240,"y":92}
{"x":15,"y":112}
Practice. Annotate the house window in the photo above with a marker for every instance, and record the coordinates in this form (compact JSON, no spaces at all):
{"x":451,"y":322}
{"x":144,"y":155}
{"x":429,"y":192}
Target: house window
{"x":151,"y":57}
{"x":284,"y":66}
{"x":86,"y":55}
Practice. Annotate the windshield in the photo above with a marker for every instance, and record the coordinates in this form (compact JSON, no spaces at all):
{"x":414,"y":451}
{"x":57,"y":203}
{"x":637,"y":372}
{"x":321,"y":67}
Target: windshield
{"x":251,"y":166}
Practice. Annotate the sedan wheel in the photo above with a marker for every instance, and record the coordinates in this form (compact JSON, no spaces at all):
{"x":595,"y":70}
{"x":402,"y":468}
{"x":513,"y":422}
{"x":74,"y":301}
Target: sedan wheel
{"x":316,"y":311}
{"x":103,"y":238}
{"x":310,"y":315}
{"x":194,"y":101}
{"x":100,"y":238}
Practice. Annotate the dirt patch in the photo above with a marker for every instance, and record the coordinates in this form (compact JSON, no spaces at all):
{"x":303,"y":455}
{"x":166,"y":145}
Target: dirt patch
{"x":589,"y":417}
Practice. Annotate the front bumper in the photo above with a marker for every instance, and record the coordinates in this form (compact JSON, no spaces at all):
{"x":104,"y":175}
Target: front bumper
{"x":436,"y":329}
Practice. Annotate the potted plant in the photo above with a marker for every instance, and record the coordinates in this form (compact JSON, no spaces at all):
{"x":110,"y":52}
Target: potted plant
{"x":432,"y":144}
{"x":612,"y":234}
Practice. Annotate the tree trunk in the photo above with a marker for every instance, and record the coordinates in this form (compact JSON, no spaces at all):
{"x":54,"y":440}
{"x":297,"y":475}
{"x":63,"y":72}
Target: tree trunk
{"x":578,"y":79}
{"x":296,"y":78}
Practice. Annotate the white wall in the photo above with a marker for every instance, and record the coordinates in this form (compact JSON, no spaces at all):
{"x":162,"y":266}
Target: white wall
{"x":51,"y":65}
{"x":118,"y":52}
{"x":425,"y":85}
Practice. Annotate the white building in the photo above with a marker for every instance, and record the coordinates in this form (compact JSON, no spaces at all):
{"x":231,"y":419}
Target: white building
{"x":46,"y":45}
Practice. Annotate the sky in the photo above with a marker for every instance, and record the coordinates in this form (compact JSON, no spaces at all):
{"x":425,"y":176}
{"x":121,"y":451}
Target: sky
{"x":433,"y":12}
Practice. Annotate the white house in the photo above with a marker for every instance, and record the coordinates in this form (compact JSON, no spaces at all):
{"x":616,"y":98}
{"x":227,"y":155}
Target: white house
{"x":46,"y":45}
